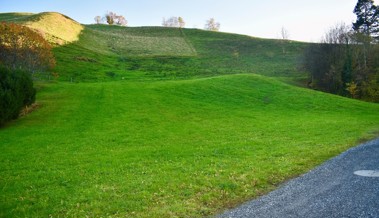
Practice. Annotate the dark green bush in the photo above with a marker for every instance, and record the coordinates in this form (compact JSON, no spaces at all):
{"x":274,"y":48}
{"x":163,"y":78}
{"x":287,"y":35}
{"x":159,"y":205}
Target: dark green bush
{"x":16,"y":92}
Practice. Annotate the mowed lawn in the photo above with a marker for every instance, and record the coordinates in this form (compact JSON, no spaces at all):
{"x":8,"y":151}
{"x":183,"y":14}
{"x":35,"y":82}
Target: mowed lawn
{"x":180,"y":148}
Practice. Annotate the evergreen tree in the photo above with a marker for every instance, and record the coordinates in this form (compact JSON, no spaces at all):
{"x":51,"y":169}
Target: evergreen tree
{"x":367,"y":22}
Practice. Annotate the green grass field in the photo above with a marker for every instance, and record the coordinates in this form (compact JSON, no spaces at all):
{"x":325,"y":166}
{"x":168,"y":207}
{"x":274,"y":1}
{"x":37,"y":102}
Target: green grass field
{"x":167,"y":132}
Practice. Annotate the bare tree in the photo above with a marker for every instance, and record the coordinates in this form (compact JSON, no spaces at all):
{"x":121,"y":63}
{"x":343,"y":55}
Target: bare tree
{"x":284,"y":34}
{"x":212,"y":25}
{"x":98,"y":20}
{"x":181,"y":22}
{"x":109,"y":17}
{"x":112,"y":18}
{"x":120,"y":20}
{"x":338,"y":34}
{"x":172,"y":22}
{"x":24,"y":49}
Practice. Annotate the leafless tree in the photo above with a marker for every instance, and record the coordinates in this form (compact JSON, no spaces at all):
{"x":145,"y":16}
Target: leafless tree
{"x":284,"y":34}
{"x":112,"y":18}
{"x":98,"y":19}
{"x":109,"y":17}
{"x":172,"y":22}
{"x":181,"y":22}
{"x":212,"y":25}
{"x":120,"y":20}
{"x":338,"y":34}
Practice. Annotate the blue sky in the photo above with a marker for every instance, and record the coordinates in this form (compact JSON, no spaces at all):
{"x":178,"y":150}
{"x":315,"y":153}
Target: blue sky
{"x":305,"y":20}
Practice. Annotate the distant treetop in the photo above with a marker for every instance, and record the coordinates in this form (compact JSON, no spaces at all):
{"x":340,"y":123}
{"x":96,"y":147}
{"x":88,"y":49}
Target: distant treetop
{"x":111,"y":18}
{"x":177,"y":22}
{"x":367,"y":22}
{"x":212,"y":25}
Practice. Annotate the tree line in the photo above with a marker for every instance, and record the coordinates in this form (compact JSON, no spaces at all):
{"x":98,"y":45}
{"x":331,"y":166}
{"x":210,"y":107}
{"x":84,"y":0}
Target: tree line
{"x":346,"y":62}
{"x":112,"y":18}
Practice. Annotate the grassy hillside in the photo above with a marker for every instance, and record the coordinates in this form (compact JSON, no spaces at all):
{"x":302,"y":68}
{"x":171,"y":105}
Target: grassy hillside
{"x":55,"y":27}
{"x":164,"y":122}
{"x":171,"y":148}
{"x":15,"y":17}
{"x":108,"y":53}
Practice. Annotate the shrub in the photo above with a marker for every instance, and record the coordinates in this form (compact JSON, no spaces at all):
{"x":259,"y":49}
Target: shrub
{"x":16,"y":92}
{"x":23,"y":48}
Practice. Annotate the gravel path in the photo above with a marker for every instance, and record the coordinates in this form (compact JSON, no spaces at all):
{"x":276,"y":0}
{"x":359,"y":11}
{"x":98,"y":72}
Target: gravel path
{"x":345,"y":186}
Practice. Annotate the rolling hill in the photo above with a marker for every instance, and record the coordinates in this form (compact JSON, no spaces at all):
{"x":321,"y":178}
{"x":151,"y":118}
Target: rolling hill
{"x":104,"y":53}
{"x":167,"y":53}
{"x":163,"y":122}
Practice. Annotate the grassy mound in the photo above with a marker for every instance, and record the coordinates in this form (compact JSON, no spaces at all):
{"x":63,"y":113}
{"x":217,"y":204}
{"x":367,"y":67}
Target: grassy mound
{"x":55,"y":27}
{"x":184,"y":148}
